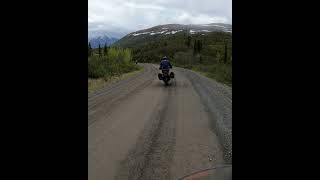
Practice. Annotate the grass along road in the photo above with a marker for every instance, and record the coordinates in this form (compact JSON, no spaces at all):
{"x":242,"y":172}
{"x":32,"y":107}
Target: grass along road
{"x":95,"y":84}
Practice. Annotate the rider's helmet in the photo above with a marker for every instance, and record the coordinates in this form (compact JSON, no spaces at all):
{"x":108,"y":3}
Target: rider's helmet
{"x":164,"y":58}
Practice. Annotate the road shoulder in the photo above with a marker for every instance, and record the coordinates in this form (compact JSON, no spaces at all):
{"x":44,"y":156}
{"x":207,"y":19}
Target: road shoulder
{"x":97,"y":84}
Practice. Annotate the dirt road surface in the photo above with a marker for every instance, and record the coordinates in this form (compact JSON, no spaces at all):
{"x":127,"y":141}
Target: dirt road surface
{"x":139,"y":128}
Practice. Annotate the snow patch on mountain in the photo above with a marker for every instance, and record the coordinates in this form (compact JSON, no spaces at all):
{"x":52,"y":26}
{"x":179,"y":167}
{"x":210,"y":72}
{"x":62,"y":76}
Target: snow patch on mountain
{"x":137,"y":34}
{"x":198,"y":31}
{"x":173,"y":32}
{"x":159,"y":32}
{"x":192,"y":31}
{"x":212,"y":25}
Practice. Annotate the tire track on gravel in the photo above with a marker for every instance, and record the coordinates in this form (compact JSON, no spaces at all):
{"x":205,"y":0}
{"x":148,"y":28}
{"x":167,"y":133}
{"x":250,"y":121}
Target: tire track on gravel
{"x":153,"y":153}
{"x":95,"y":98}
{"x":145,"y":130}
{"x":100,"y":104}
{"x":218,"y":103}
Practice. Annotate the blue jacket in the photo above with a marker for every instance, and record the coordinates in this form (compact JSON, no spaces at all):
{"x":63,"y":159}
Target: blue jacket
{"x":165,"y":64}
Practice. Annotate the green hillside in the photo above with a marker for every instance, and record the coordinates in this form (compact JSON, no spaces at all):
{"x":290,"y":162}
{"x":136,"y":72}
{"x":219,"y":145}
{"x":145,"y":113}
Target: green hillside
{"x":209,"y":53}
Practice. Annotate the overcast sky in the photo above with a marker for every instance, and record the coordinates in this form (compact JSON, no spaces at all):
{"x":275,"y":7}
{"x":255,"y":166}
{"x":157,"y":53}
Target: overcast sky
{"x":124,"y":16}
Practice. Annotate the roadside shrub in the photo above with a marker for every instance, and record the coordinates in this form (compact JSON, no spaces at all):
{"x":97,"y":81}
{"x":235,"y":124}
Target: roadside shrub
{"x":117,"y":62}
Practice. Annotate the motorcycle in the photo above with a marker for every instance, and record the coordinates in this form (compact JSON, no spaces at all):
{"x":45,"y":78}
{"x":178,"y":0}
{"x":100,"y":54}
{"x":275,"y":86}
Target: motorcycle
{"x":166,"y":76}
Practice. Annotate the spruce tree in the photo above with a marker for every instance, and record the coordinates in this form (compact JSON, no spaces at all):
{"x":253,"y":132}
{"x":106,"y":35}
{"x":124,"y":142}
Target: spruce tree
{"x":89,"y":50}
{"x":218,"y":57}
{"x":195,"y":47}
{"x":105,"y":49}
{"x":198,"y":45}
{"x":99,"y":51}
{"x":225,"y":53}
{"x":189,"y":41}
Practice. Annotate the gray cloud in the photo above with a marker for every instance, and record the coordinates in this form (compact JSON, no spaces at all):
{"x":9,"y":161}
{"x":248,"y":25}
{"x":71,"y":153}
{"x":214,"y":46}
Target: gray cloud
{"x":124,"y":16}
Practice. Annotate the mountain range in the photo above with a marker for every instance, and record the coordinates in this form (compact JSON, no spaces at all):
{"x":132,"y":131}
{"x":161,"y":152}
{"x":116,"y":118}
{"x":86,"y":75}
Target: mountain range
{"x":171,"y":30}
{"x":102,"y":40}
{"x":156,"y":32}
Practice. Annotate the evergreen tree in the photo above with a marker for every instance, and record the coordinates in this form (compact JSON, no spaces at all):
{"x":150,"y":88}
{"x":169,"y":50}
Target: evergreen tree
{"x":89,"y":50}
{"x":105,"y":49}
{"x":189,"y":41}
{"x":195,"y":47}
{"x":99,"y":51}
{"x":198,"y":45}
{"x":225,"y":53}
{"x":218,"y":57}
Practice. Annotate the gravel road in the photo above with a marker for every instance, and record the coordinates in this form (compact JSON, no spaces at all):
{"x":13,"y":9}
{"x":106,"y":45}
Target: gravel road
{"x":140,"y":129}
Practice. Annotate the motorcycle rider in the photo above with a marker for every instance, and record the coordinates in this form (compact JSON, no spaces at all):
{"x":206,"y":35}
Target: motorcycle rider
{"x":165,"y":65}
